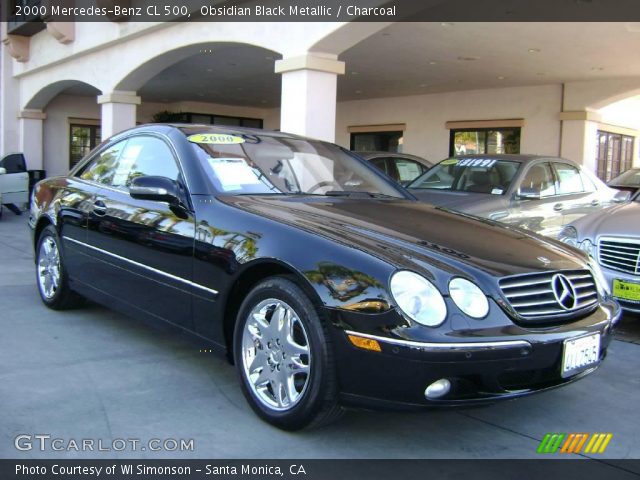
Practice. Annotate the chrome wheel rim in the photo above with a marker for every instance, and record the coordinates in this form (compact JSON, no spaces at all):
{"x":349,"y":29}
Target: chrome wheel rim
{"x":48,"y":268}
{"x":276,"y":355}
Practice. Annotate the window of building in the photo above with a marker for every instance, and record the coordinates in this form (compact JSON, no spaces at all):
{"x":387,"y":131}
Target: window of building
{"x":82,"y":139}
{"x":390,"y":141}
{"x":615,"y":154}
{"x":484,"y":141}
{"x":212,"y":119}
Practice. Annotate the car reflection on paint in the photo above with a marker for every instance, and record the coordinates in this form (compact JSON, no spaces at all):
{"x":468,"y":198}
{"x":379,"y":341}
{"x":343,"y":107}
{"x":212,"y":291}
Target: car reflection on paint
{"x":323,"y":281}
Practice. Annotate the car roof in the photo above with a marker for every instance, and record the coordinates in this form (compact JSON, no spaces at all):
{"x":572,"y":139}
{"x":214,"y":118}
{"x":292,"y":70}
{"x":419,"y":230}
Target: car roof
{"x":368,"y":155}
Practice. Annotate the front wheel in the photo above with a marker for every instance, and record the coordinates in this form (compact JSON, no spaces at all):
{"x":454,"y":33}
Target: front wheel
{"x":53,"y":282}
{"x":284,"y":358}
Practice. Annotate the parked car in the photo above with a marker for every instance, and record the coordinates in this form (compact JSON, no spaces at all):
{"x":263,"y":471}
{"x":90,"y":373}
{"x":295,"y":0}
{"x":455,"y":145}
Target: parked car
{"x":322,"y":280}
{"x":628,"y":181}
{"x":14,"y":182}
{"x":402,"y":167}
{"x":612,"y":237}
{"x":535,"y":192}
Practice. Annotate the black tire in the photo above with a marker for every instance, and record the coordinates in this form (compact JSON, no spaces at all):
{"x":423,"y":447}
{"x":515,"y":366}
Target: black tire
{"x":63,"y":298}
{"x":318,"y":402}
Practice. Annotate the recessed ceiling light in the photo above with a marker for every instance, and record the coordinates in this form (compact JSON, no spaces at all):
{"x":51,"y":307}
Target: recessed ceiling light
{"x":500,"y":77}
{"x":446,"y":24}
{"x":534,"y":50}
{"x":468,"y":59}
{"x":433,"y":62}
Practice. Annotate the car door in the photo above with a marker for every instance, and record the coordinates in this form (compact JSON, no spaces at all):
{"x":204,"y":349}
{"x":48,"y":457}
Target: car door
{"x":14,"y":183}
{"x":534,"y":203}
{"x":575,"y":197}
{"x":143,"y":249}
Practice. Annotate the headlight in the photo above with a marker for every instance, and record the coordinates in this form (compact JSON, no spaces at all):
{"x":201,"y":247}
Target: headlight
{"x":418,"y":298}
{"x":569,"y":235}
{"x":601,"y":281}
{"x":588,"y":247}
{"x":468,"y":297}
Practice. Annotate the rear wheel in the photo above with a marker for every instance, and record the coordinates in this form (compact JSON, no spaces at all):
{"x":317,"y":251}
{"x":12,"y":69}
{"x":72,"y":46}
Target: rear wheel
{"x":284,"y":358}
{"x":53,"y":281}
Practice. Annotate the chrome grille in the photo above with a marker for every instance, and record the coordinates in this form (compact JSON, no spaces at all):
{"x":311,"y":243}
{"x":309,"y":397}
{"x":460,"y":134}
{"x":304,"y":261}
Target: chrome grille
{"x":540,"y":297}
{"x":622,"y":254}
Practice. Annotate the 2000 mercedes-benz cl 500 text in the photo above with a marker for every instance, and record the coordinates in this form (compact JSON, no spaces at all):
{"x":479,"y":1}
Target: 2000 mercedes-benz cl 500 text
{"x":325,"y":282}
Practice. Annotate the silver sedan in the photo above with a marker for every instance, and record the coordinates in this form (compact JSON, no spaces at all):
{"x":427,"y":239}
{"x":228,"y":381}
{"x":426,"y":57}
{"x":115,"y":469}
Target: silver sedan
{"x":612,"y":237}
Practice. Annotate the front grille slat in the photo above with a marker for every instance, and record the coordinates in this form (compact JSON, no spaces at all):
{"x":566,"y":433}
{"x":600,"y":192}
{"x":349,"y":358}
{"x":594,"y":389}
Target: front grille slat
{"x":621,"y":254}
{"x":535,"y":297}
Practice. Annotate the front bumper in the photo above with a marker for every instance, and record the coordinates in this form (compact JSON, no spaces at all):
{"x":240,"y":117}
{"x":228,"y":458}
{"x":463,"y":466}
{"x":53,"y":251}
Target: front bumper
{"x":505,"y":363}
{"x":610,"y":276}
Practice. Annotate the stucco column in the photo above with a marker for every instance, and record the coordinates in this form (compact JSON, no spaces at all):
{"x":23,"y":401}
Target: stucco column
{"x":118,"y":112}
{"x":579,"y":137}
{"x":309,"y":85}
{"x":31,"y":137}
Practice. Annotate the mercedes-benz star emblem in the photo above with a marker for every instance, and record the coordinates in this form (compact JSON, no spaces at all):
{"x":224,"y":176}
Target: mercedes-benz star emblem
{"x":563,"y":291}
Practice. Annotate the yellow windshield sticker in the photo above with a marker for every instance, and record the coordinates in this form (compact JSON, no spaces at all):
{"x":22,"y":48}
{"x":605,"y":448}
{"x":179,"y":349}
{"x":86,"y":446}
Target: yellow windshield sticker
{"x":451,"y":161}
{"x":215,"y":138}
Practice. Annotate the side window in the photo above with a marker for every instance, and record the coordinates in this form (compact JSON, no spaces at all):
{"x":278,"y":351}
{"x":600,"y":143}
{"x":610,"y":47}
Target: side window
{"x":539,"y":179}
{"x":101,"y":168}
{"x":144,"y":156}
{"x":408,"y":170}
{"x":569,"y":179}
{"x":380,"y":164}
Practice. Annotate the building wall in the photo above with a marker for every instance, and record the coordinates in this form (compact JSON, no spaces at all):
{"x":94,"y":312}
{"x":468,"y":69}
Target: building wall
{"x":425,"y":117}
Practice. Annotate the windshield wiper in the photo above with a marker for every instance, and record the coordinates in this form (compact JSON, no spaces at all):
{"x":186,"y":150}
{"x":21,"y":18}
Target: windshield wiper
{"x":356,"y":193}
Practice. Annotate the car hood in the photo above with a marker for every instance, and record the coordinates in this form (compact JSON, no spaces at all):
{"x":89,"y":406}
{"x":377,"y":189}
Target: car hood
{"x":481,"y":204}
{"x":619,"y":220}
{"x":406,"y":233}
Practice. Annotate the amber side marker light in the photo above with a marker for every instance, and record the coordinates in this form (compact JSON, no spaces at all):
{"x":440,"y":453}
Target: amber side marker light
{"x":365,"y":343}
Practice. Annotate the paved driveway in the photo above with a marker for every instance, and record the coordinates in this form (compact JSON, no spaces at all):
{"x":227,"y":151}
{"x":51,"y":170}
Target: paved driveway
{"x":96,"y":374}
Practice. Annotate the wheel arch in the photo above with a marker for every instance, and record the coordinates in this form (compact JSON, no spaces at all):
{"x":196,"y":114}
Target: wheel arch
{"x":251,"y":275}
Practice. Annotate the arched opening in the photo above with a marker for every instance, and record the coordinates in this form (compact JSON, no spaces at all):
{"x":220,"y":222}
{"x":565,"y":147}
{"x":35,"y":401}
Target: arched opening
{"x":215,"y":82}
{"x":69,"y":127}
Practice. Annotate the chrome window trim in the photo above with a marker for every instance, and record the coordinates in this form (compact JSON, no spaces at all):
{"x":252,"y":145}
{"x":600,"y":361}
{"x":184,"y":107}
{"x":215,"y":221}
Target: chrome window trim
{"x":146,"y":267}
{"x":439,"y":347}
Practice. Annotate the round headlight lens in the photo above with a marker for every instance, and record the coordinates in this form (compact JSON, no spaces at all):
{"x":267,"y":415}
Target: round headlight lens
{"x":569,"y":235}
{"x":588,"y":247}
{"x":468,"y":297}
{"x":418,"y":298}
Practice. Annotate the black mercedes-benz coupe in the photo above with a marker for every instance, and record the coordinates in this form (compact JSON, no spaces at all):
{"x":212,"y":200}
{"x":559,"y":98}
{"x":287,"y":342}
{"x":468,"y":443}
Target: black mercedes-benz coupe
{"x":326,"y":284}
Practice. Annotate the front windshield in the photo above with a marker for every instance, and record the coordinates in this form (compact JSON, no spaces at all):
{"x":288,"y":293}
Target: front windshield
{"x":630,"y":178}
{"x":242,"y":164}
{"x":476,"y":174}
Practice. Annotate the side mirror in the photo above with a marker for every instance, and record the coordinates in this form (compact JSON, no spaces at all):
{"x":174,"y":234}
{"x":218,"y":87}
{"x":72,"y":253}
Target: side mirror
{"x":528,"y":194}
{"x":155,"y":189}
{"x":622,"y":196}
{"x":3,"y":171}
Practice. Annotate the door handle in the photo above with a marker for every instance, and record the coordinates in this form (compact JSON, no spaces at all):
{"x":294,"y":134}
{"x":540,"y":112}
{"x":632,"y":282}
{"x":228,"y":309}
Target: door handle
{"x":558,"y":207}
{"x":595,"y":202}
{"x":99,"y":208}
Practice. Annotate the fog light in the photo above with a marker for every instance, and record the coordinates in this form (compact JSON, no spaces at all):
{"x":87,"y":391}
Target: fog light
{"x":437,"y":389}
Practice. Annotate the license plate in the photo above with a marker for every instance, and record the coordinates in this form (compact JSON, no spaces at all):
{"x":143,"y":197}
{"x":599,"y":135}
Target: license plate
{"x":626,"y":290}
{"x":580,"y":353}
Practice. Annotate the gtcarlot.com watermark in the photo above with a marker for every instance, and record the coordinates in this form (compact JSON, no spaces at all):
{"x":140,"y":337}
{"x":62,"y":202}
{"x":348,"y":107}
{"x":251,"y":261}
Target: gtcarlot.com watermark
{"x":45,"y":442}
